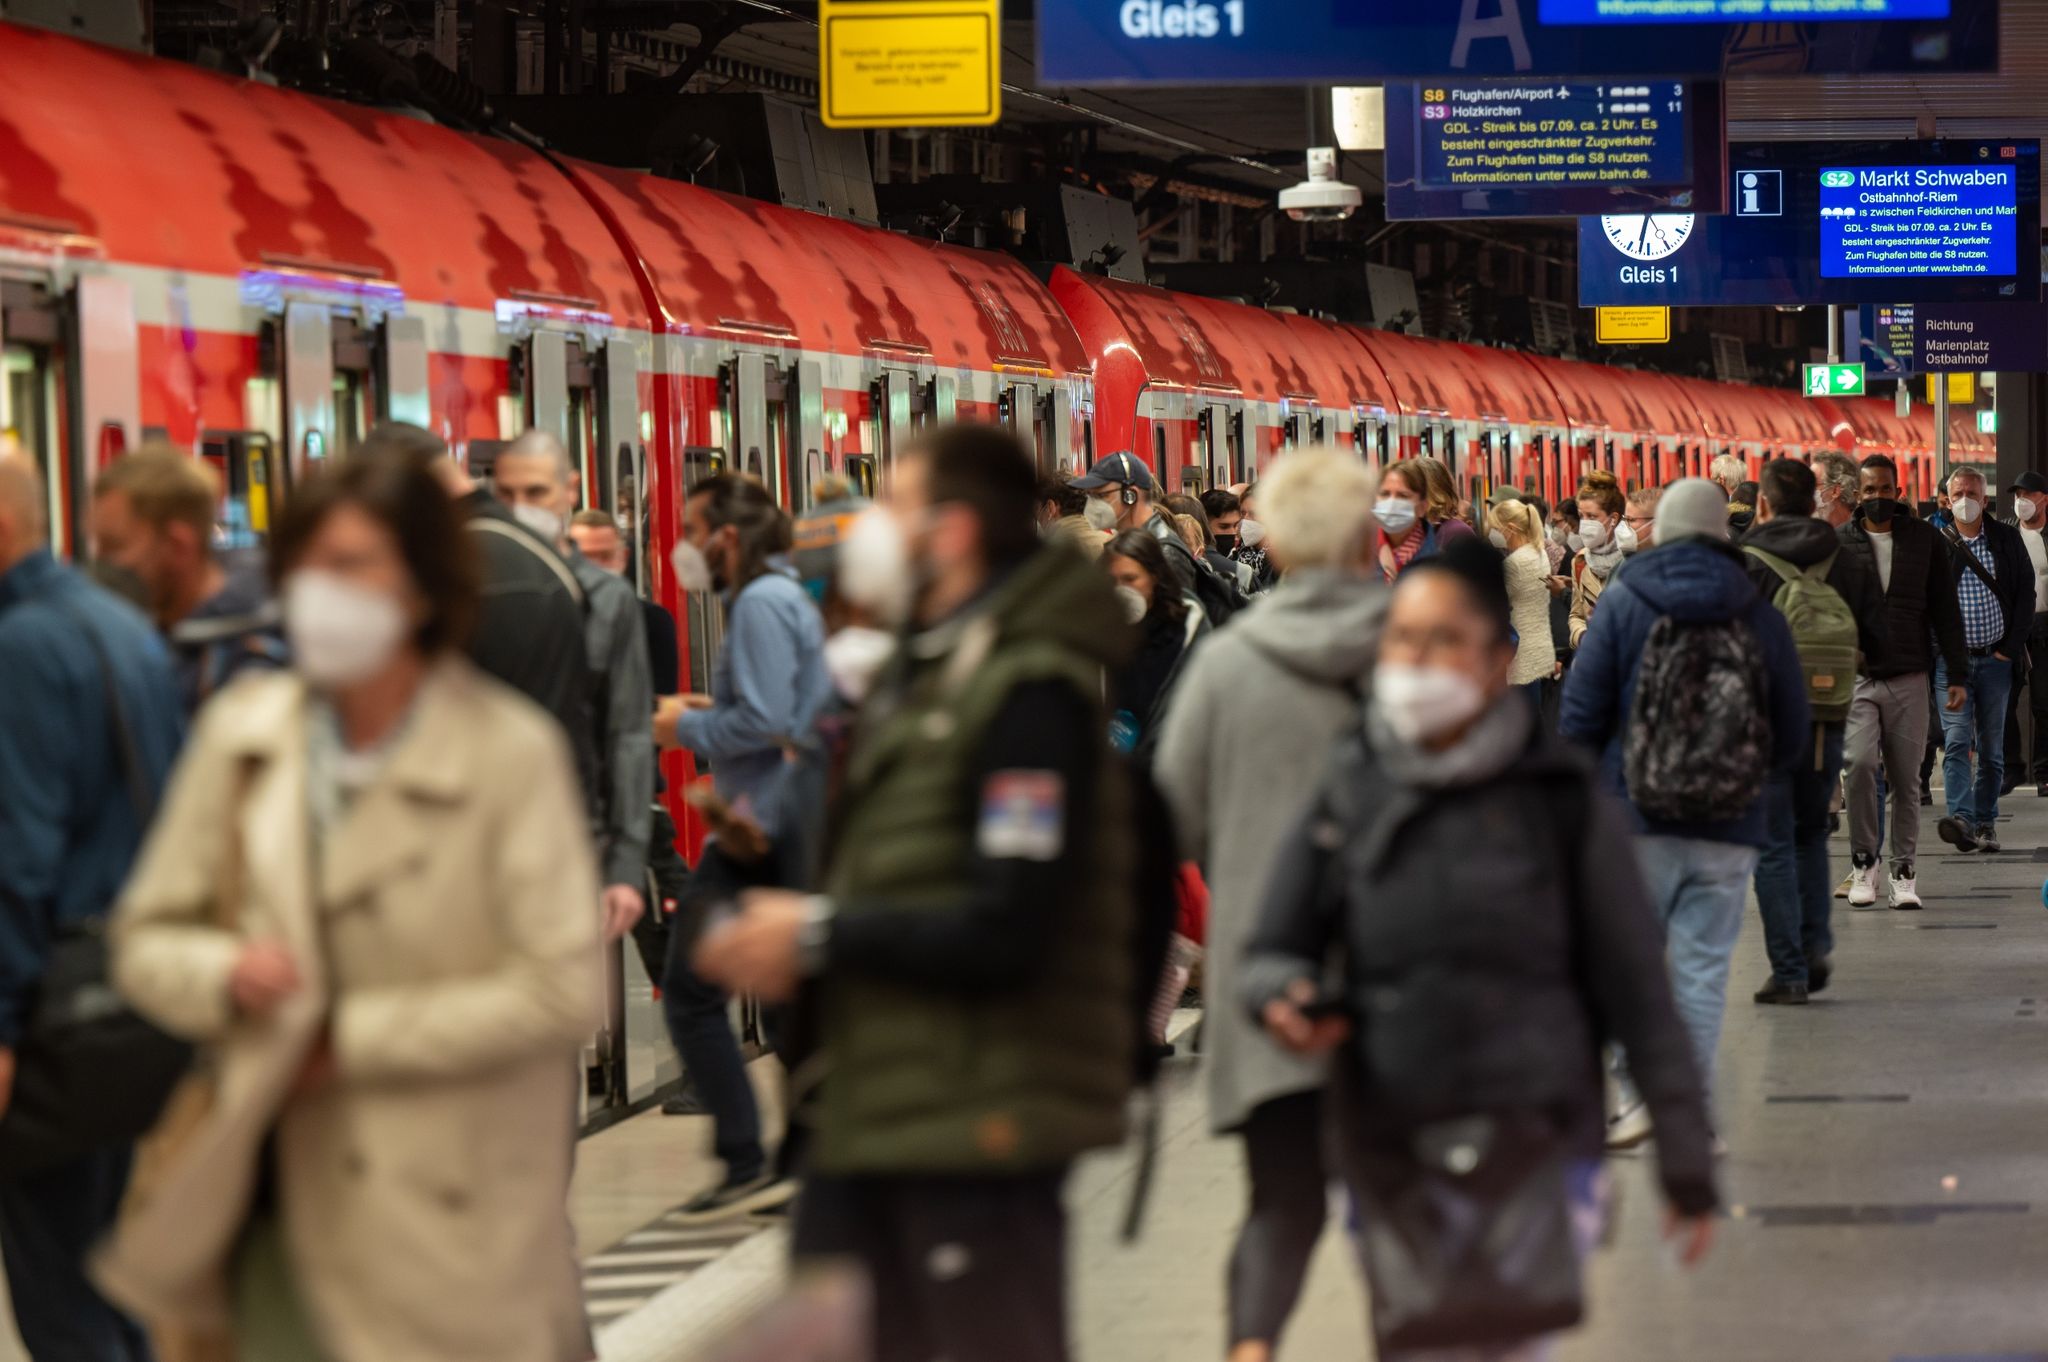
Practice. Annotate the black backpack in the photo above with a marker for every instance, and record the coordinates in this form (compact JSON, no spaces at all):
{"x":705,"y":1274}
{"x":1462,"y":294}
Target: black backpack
{"x":1696,"y":750}
{"x":1220,"y":597}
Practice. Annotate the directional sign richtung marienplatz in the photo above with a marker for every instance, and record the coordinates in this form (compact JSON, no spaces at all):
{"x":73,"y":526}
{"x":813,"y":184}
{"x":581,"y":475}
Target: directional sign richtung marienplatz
{"x":1834,"y":380}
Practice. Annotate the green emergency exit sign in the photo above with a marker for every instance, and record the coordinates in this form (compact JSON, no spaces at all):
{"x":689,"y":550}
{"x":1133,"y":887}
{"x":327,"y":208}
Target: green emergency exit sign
{"x":1834,"y":380}
{"x":1987,"y":423}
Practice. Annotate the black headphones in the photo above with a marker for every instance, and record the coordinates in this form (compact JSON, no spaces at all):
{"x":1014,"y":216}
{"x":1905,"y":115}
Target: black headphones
{"x":1129,"y":495}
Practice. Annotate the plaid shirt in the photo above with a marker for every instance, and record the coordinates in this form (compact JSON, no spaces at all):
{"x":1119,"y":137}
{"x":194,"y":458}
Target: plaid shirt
{"x":1983,"y":616}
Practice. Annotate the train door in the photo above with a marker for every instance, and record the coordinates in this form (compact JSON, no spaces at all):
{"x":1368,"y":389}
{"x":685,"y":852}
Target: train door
{"x":1040,"y":415}
{"x":1302,"y":423}
{"x":1223,"y":459}
{"x":70,"y":385}
{"x":901,"y":402}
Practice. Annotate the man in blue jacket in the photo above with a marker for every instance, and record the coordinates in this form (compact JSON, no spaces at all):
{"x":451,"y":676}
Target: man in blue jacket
{"x":768,"y":686}
{"x":1698,"y":873}
{"x":70,"y":824}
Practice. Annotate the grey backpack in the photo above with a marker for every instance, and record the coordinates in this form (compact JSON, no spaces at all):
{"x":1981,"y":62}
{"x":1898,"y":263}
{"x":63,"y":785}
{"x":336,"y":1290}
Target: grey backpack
{"x":1697,"y":749}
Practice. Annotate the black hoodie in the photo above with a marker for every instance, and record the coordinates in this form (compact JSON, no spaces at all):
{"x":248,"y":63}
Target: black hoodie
{"x":1804,"y":541}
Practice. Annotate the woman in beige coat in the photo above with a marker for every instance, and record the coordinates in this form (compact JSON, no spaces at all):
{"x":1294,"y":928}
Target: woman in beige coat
{"x":369,"y":899}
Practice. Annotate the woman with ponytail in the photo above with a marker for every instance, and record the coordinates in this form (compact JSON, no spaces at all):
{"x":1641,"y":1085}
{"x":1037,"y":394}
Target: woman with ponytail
{"x":1603,"y":529}
{"x":1516,"y":529}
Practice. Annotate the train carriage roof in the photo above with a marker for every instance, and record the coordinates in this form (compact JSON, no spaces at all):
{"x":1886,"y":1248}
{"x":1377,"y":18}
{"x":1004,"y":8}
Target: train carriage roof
{"x":727,"y":266}
{"x":160,"y":164}
{"x":1180,"y":340}
{"x":1465,"y":381}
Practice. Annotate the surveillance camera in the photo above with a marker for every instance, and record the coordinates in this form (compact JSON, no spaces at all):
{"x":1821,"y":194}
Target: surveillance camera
{"x":1322,"y":197}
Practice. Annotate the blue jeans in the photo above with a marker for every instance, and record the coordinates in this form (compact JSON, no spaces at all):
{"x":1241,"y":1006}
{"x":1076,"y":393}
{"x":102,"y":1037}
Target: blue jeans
{"x":49,"y":1222}
{"x":700,"y":1026}
{"x":1794,"y":891}
{"x":1979,"y":723}
{"x":1698,"y":888}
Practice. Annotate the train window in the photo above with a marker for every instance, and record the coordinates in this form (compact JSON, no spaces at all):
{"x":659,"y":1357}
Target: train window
{"x":1239,"y":460}
{"x":860,"y":471}
{"x":1158,"y":444}
{"x":1193,"y":479}
{"x":1428,"y":439}
{"x":1293,"y":435}
{"x":1385,"y":440}
{"x":247,"y":463}
{"x":1318,"y":428}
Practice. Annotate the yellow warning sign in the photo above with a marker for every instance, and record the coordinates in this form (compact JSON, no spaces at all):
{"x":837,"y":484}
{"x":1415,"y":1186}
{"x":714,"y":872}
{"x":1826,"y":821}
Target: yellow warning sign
{"x":1632,"y":325}
{"x":910,"y":63}
{"x":1962,"y":387}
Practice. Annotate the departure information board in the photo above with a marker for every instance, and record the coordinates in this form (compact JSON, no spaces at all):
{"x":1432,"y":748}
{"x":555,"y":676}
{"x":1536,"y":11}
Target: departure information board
{"x":1835,"y":222}
{"x":1552,"y":148}
{"x":1202,"y":42}
{"x":1912,"y":222}
{"x":1730,"y":11}
{"x":1521,"y":136}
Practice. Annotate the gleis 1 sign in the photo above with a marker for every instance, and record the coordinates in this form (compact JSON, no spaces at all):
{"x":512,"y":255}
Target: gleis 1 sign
{"x":1184,"y":19}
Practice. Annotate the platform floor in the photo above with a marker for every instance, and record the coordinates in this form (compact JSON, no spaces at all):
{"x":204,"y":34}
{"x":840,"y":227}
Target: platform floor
{"x":1888,"y":1177}
{"x":1888,"y":1173}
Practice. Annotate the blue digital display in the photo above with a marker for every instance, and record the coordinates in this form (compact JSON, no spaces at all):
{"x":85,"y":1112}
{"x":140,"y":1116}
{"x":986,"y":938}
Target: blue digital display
{"x":1494,"y":137}
{"x":1728,"y":11}
{"x":1834,"y":222}
{"x":1506,"y":149}
{"x":1913,"y":221}
{"x":1266,"y":42}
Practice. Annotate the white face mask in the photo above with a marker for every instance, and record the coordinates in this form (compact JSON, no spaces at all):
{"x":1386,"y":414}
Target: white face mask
{"x":1574,"y":542}
{"x":1100,"y":515}
{"x":1251,"y":533}
{"x":540,"y":520}
{"x":1594,"y":533}
{"x":693,"y":569}
{"x":1133,"y":602}
{"x":1625,"y":537}
{"x":874,"y":566}
{"x":1559,"y":535}
{"x":340,"y":633}
{"x":1499,"y":540}
{"x":1395,"y":514}
{"x":2026,"y":508}
{"x":1969,"y":510}
{"x":854,"y":657}
{"x":1421,"y":703}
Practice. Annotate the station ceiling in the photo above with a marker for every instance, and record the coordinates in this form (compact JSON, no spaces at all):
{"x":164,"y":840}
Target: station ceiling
{"x":1257,"y":132}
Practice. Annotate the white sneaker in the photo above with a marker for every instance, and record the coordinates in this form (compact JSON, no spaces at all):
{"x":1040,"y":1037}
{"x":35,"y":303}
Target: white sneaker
{"x":1863,"y":886}
{"x":1905,"y":891}
{"x":1629,"y":1128}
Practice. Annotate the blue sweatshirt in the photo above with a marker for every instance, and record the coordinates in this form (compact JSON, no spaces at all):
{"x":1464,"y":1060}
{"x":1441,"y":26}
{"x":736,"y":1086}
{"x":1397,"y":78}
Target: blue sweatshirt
{"x":767,"y":690}
{"x":68,"y":825}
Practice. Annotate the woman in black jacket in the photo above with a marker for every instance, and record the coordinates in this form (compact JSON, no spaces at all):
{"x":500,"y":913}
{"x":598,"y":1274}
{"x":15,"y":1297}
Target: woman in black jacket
{"x":1473,"y":992}
{"x":1169,"y":627}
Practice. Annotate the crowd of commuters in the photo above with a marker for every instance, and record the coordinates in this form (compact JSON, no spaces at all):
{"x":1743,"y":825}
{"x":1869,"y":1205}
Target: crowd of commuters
{"x":991,"y":764}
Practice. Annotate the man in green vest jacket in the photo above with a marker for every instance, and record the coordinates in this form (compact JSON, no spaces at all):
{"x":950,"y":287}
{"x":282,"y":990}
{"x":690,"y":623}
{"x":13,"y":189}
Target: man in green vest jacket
{"x":970,"y":961}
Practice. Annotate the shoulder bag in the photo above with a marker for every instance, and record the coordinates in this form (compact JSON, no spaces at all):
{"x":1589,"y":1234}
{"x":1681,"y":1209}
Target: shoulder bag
{"x":1465,"y":1225}
{"x":90,"y":1072}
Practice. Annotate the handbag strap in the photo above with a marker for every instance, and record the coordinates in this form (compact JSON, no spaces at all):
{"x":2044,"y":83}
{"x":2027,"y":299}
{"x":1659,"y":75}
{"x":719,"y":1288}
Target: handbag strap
{"x":140,"y":794}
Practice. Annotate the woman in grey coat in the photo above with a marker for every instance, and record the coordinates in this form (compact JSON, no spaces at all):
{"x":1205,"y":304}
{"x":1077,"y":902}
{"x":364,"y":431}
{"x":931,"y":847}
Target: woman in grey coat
{"x":1244,"y":744}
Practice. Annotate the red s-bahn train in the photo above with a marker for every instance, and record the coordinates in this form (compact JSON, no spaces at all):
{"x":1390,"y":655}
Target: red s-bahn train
{"x":260,"y":275}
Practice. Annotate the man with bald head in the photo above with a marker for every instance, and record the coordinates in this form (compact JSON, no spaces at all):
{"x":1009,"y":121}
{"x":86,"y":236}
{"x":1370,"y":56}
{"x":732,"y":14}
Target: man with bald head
{"x":532,"y":476}
{"x":75,"y":799}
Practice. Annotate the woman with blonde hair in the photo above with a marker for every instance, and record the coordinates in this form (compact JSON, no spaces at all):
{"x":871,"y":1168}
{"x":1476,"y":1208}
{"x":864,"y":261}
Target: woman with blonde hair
{"x":1516,"y":529}
{"x":1417,"y":513}
{"x":1267,"y":696}
{"x":1607,"y":539}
